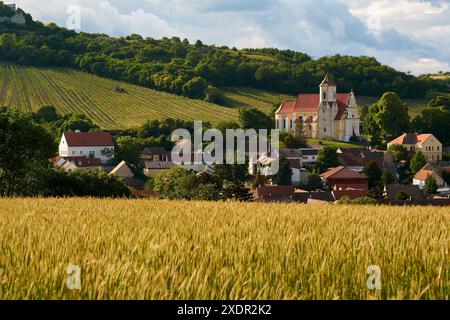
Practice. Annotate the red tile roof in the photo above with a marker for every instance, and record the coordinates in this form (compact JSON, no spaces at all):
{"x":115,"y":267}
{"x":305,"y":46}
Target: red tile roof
{"x":275,"y":191}
{"x":84,"y":162}
{"x":411,"y":138}
{"x":311,"y":103}
{"x":89,"y":139}
{"x":342,"y":173}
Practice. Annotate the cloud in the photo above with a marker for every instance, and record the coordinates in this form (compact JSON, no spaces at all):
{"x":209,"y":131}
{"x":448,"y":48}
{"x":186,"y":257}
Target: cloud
{"x":421,"y":66}
{"x":411,"y":34}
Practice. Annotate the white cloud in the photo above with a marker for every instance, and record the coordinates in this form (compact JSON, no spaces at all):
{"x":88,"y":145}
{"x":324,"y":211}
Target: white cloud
{"x":421,"y":66}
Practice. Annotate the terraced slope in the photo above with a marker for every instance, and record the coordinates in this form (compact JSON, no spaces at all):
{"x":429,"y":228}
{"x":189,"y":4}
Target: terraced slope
{"x":72,"y":91}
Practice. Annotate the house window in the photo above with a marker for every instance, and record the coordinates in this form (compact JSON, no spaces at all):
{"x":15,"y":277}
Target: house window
{"x":81,"y":152}
{"x":73,"y":152}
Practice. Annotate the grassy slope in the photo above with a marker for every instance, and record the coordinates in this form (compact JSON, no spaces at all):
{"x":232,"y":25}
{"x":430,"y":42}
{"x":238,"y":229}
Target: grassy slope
{"x":197,"y":250}
{"x":72,"y":91}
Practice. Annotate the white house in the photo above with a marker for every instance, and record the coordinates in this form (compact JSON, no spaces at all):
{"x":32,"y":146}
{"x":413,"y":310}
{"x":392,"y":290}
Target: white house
{"x":97,"y":145}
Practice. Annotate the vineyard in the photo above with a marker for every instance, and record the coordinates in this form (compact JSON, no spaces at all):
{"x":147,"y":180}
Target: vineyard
{"x":73,"y":91}
{"x":76,"y":92}
{"x":152,"y":249}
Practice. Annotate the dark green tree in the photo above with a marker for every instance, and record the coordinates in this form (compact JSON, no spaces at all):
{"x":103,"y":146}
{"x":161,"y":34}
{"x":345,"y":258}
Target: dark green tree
{"x":284,"y":175}
{"x":388,"y":117}
{"x":418,"y":161}
{"x":388,"y":178}
{"x":399,"y":152}
{"x":327,"y":158}
{"x":431,"y":186}
{"x":373,"y":173}
{"x":78,"y":122}
{"x":25,"y":150}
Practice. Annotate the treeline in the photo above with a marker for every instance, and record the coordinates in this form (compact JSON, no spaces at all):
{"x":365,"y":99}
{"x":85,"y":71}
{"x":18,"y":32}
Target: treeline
{"x":196,"y":70}
{"x":389,"y":117}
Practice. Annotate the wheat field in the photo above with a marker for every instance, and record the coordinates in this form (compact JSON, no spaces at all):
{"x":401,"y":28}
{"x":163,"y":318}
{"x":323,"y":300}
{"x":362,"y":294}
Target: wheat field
{"x":155,"y":249}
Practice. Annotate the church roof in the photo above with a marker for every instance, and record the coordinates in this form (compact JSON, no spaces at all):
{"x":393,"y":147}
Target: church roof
{"x":328,"y":80}
{"x":311,"y":103}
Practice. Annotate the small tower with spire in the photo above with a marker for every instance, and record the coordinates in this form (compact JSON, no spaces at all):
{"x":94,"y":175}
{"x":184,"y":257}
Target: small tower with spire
{"x":328,"y":89}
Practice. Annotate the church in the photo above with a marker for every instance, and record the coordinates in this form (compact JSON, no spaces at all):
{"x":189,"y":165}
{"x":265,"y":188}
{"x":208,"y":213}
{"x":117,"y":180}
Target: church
{"x":327,"y":115}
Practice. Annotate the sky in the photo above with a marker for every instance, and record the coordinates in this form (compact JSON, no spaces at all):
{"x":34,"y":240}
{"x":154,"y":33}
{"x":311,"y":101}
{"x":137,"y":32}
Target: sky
{"x":409,"y":35}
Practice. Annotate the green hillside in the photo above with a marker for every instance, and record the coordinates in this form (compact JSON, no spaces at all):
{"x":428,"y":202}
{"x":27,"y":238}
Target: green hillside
{"x":73,"y":91}
{"x":265,"y":101}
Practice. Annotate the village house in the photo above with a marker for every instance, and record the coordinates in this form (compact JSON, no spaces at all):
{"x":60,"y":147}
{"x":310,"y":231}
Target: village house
{"x":427,"y":143}
{"x":357,"y":158}
{"x":326,"y":115}
{"x":421,"y":177}
{"x":92,"y":145}
{"x":73,"y":163}
{"x":123,"y":171}
{"x":346,"y":182}
{"x":295,"y":157}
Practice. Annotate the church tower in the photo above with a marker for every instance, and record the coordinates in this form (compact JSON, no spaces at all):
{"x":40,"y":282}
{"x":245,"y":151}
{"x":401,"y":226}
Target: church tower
{"x":328,"y":89}
{"x":328,"y":108}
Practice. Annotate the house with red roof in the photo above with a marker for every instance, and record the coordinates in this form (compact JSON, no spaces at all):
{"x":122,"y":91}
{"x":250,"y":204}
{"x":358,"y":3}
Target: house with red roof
{"x":91,"y":145}
{"x":430,"y":146}
{"x":346,"y":181}
{"x":324,"y":115}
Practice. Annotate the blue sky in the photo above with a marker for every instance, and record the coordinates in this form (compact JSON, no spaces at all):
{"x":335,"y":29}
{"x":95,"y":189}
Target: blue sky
{"x":410,"y":35}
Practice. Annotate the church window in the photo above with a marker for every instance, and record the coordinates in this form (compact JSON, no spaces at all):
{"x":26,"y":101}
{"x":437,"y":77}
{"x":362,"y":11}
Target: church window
{"x":324,"y":96}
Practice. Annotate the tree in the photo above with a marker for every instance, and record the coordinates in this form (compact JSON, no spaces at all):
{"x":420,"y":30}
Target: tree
{"x":440,"y":101}
{"x":402,"y":196}
{"x":129,"y":149}
{"x":195,"y":88}
{"x":284,"y":175}
{"x":418,"y":161}
{"x":252,"y":118}
{"x":297,"y":142}
{"x":315,"y":182}
{"x":46,"y":114}
{"x":84,"y":183}
{"x":327,"y":158}
{"x":373,"y":173}
{"x":398,"y":152}
{"x":388,"y":117}
{"x":78,"y":122}
{"x":260,"y":180}
{"x":387,"y":178}
{"x":435,"y":121}
{"x":25,"y":148}
{"x":431,"y":186}
{"x":183,"y":184}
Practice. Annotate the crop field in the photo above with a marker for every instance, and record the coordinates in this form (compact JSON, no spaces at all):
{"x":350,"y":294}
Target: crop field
{"x":73,"y":91}
{"x":154,"y":249}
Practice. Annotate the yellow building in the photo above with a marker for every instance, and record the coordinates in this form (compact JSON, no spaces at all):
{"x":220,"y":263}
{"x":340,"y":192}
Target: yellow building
{"x":325,"y":115}
{"x":427,"y":143}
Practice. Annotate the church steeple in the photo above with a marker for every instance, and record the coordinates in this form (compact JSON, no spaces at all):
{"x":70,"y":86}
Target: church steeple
{"x":328,"y":89}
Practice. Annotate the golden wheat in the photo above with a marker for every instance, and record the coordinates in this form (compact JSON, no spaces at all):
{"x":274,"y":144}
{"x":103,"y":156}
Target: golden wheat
{"x":151,"y":249}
